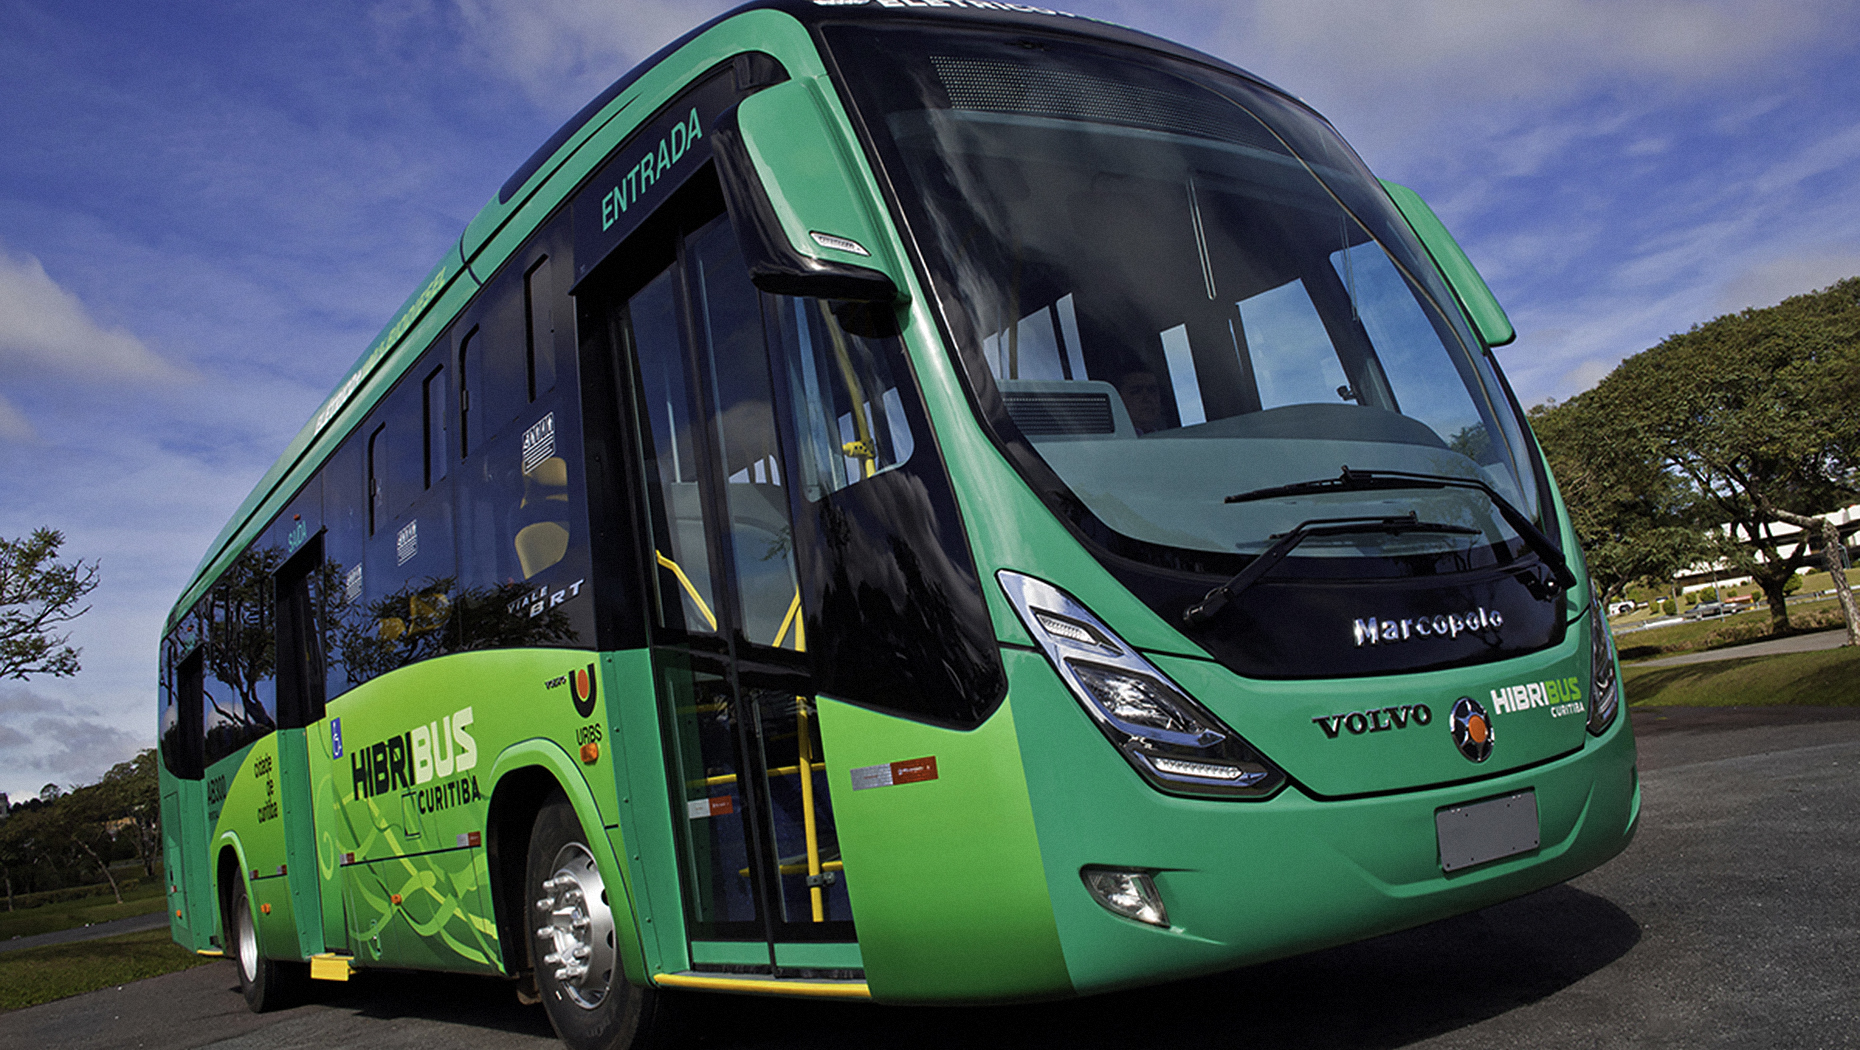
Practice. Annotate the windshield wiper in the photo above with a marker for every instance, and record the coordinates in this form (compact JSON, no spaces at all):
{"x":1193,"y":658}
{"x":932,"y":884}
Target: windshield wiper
{"x":1217,"y":599}
{"x":1368,"y":480}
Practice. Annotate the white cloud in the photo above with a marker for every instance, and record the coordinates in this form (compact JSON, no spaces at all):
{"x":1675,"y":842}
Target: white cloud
{"x":1539,"y":47}
{"x":562,"y":53}
{"x":44,"y":328}
{"x":1770,"y":282}
{"x":44,"y":739}
{"x":14,"y":426}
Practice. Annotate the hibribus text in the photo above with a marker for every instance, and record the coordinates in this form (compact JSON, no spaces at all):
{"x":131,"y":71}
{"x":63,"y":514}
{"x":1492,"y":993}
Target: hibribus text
{"x":437,"y":749}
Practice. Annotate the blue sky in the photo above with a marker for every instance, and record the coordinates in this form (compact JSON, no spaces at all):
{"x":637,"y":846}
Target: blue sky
{"x":207,"y":210}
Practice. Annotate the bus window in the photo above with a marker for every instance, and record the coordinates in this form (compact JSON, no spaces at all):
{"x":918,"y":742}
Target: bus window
{"x":494,"y":361}
{"x":523,"y":549}
{"x":650,"y":323}
{"x":238,"y":693}
{"x":433,"y":446}
{"x":410,"y":567}
{"x":1426,"y":385}
{"x":894,"y":612}
{"x":849,"y":412}
{"x":1291,"y":353}
{"x":298,"y":590}
{"x":345,"y":517}
{"x":181,"y":734}
{"x":731,"y":340}
{"x":377,"y":478}
{"x":539,"y":318}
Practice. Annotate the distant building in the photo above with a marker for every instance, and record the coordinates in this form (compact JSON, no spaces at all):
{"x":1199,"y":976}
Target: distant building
{"x":1708,"y":575}
{"x":5,"y":807}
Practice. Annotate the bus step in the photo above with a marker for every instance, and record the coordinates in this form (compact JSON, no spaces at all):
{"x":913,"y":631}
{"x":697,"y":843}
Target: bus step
{"x":329,"y":967}
{"x":757,"y":985}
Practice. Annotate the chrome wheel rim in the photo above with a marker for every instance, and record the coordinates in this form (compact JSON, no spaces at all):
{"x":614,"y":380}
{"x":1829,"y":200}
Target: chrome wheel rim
{"x":577,"y":931}
{"x":248,"y":946}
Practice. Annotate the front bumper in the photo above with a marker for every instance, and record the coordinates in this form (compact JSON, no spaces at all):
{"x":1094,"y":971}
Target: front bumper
{"x":1245,"y":882}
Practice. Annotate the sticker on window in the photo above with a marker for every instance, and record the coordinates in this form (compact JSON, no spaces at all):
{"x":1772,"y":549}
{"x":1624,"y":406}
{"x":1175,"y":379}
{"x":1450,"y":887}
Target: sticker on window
{"x":539,"y":442}
{"x":407,"y":542}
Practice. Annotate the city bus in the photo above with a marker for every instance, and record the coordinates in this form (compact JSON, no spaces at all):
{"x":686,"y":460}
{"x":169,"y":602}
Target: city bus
{"x":920,"y":501}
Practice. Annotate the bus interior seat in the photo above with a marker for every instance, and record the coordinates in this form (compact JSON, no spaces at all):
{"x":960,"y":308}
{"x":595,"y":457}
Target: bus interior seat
{"x":541,"y":544}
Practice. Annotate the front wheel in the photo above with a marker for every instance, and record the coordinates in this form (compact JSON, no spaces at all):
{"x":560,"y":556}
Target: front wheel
{"x":591,"y":1004}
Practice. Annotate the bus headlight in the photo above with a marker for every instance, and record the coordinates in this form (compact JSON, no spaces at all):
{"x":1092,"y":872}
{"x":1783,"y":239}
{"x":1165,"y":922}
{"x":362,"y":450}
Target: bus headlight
{"x":1605,"y":684}
{"x":1174,"y":743}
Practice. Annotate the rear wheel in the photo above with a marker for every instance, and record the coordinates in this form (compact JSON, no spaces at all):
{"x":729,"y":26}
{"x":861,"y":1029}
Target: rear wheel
{"x":590,"y":1002}
{"x":266,"y":983}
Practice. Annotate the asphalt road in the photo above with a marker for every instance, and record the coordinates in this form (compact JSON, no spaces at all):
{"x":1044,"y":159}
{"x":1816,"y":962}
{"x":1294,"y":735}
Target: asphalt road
{"x":1732,"y":921}
{"x":114,"y":928}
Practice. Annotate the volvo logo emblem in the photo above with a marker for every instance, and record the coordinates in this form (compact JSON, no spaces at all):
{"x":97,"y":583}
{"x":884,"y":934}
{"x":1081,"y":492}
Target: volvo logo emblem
{"x":1472,"y":729}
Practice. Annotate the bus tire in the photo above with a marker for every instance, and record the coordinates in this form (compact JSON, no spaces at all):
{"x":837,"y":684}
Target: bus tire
{"x":267,"y":984}
{"x":590,"y":1003}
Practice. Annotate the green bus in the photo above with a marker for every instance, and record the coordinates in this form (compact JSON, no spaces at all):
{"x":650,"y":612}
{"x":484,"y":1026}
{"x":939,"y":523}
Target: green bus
{"x":918,"y":500}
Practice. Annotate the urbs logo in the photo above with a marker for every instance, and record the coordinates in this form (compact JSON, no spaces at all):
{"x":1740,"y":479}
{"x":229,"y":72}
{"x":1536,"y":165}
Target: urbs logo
{"x":587,"y":689}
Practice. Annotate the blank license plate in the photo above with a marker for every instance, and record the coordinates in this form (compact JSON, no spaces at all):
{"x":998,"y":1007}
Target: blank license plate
{"x":1486,"y":831}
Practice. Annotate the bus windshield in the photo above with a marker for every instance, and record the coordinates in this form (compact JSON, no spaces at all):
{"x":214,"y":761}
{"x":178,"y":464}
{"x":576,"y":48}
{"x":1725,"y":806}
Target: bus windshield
{"x":1178,"y":286}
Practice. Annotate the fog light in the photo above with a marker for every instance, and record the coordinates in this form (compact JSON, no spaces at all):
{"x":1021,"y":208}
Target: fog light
{"x":1131,"y":894}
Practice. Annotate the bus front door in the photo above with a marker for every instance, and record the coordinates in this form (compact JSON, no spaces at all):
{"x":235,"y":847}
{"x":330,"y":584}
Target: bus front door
{"x":761,"y":880}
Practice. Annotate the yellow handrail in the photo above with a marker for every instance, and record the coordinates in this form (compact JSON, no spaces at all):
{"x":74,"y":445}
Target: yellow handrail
{"x":794,"y":618}
{"x":690,"y":588}
{"x":862,"y":447}
{"x":806,"y":740}
{"x":804,"y":767}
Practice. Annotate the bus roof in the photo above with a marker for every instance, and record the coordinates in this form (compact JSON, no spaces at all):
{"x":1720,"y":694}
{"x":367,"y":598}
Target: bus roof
{"x":450,"y":285}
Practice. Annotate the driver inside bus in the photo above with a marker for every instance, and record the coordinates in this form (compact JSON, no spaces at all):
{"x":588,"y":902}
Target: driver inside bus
{"x":1142,"y":396}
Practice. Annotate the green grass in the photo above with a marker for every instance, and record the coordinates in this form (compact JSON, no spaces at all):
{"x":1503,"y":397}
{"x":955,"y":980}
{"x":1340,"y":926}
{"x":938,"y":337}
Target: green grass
{"x":140,"y":899}
{"x":1821,"y":679}
{"x":1700,"y":635}
{"x":39,"y":975}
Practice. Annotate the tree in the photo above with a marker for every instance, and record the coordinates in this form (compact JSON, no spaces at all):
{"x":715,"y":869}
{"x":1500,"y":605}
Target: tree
{"x":1638,"y":522}
{"x":1756,"y":411}
{"x":38,"y":594}
{"x":52,"y":840}
{"x":132,"y":790}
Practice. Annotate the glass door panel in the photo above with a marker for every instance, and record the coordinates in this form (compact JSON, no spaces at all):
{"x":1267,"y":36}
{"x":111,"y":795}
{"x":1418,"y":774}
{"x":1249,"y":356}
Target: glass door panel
{"x":719,"y":884}
{"x":728,"y":312}
{"x":810,"y":886}
{"x":687,"y":600}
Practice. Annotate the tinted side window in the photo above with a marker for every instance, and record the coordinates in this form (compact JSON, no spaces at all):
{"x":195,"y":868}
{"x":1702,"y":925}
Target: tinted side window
{"x":345,"y":623}
{"x":239,"y":694}
{"x":409,"y":563}
{"x":495,"y":360}
{"x":298,"y":588}
{"x":539,"y":307}
{"x":523,"y":524}
{"x":435,"y":424}
{"x":895,"y":614}
{"x":179,"y":723}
